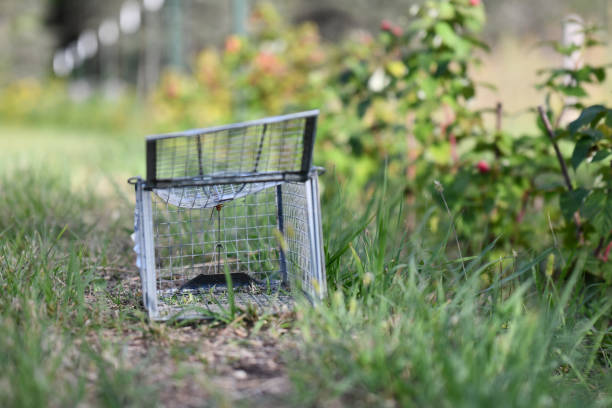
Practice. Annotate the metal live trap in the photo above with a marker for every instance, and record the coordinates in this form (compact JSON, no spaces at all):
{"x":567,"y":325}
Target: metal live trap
{"x":238,"y":201}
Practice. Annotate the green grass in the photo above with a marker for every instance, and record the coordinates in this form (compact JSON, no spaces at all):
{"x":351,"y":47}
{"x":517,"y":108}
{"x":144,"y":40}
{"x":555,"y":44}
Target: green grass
{"x":407,"y":327}
{"x":404,"y":325}
{"x":49,"y":259}
{"x":64,"y":217}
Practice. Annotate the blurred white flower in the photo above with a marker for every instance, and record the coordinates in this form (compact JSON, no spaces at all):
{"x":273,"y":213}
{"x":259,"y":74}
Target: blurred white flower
{"x":129,"y":17}
{"x":378,"y":81}
{"x":62,"y":63}
{"x":108,"y":32}
{"x":87,"y":44}
{"x":437,"y":41}
{"x":73,"y":53}
{"x":153,"y":5}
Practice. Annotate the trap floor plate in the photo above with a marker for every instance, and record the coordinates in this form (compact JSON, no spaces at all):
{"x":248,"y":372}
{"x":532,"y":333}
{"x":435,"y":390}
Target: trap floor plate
{"x":215,"y":303}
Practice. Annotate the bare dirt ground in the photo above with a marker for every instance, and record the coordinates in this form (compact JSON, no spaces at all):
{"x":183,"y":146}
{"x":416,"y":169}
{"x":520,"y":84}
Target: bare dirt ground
{"x":202,"y":363}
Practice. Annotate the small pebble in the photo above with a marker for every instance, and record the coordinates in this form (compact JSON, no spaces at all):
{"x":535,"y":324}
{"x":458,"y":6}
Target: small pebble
{"x":240,"y":375}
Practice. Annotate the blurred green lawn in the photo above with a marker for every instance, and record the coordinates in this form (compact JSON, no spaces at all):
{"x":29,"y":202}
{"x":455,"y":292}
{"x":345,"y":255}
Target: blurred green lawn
{"x":88,"y":157}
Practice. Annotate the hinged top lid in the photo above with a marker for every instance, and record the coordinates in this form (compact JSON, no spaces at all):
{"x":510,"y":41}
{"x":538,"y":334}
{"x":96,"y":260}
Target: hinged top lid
{"x":267,"y":150}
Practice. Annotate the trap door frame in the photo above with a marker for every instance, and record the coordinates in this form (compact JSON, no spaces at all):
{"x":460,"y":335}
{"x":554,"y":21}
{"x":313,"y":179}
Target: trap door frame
{"x":146,"y":254}
{"x":240,"y":234}
{"x":313,"y":207}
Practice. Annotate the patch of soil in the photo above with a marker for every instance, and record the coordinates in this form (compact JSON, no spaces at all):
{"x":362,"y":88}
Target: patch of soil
{"x":203,"y":363}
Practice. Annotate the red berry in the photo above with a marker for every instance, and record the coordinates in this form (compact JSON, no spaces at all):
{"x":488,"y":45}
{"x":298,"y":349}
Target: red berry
{"x":474,"y":2}
{"x":386,"y":25}
{"x":483,"y":166}
{"x":397,"y":31}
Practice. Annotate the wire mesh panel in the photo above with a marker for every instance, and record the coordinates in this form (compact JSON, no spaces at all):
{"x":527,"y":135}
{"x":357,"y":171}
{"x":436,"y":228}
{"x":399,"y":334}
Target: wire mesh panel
{"x":193,"y":241}
{"x":233,"y":204}
{"x":296,"y":233}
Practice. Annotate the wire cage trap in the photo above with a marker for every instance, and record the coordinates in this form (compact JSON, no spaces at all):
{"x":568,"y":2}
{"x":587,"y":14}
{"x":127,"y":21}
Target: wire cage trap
{"x":235,"y":203}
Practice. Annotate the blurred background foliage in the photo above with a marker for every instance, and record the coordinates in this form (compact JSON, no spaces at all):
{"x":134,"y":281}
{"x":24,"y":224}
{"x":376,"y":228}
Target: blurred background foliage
{"x":413,"y":91}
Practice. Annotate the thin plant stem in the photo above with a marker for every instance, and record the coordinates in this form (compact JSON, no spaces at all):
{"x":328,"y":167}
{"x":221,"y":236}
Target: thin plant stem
{"x":498,"y":116}
{"x":440,"y":190}
{"x":551,"y":135}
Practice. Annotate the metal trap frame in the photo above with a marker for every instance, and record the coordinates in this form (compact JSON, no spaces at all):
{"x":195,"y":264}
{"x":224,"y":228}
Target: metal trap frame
{"x":235,"y":203}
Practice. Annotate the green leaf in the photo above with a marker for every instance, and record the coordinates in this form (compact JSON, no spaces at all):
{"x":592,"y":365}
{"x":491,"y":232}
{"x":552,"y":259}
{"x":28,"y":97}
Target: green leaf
{"x":597,"y":209}
{"x":447,"y":34}
{"x":587,"y":116}
{"x":362,"y":107}
{"x":571,"y":201}
{"x":601,"y":155}
{"x":593,"y":204}
{"x":588,"y":74}
{"x":468,"y":92}
{"x":600,"y":74}
{"x":548,"y":181}
{"x":447,"y":11}
{"x":439,"y":153}
{"x":593,"y":134}
{"x":581,"y":151}
{"x":451,"y":39}
{"x":574,"y":90}
{"x":565,"y":50}
{"x":477,"y":43}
